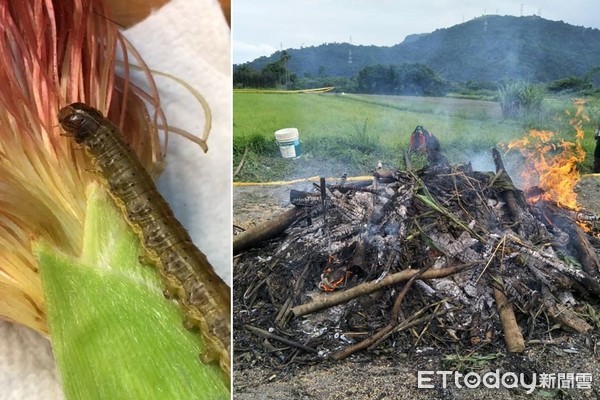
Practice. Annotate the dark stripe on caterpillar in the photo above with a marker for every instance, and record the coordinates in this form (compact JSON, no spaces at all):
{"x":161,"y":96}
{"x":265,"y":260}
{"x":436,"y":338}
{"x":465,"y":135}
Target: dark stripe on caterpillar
{"x":202,"y":294}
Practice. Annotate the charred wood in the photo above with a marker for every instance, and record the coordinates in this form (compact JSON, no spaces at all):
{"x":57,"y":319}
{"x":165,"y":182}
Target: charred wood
{"x":580,"y":276}
{"x":359,"y":186}
{"x":265,"y":231}
{"x":269,"y":335}
{"x":301,"y":198}
{"x":584,"y":251}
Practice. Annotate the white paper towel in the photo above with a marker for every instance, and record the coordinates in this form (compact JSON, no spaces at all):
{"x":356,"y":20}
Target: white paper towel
{"x":191,"y":40}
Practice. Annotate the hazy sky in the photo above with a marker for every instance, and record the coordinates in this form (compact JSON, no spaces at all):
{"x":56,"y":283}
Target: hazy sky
{"x":261,"y":27}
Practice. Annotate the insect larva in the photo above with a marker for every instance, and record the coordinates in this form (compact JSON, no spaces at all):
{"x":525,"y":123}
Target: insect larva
{"x":185,"y":270}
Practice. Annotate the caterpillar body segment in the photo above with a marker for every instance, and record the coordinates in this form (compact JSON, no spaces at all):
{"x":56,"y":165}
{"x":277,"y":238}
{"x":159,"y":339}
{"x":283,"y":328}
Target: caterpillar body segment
{"x":185,"y":270}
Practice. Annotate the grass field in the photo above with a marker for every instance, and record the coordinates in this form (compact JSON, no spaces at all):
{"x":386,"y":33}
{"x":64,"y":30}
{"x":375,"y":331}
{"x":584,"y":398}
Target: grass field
{"x":350,"y":133}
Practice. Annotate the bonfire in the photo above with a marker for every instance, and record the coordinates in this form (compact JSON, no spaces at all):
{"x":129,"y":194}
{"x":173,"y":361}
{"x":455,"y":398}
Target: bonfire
{"x":450,"y":254}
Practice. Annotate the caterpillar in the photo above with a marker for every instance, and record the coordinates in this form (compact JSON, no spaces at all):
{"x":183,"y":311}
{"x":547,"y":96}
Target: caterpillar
{"x":185,"y":270}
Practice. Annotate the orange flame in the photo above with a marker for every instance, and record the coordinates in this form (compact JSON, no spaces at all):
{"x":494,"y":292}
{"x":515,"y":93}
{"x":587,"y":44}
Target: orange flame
{"x":551,"y":163}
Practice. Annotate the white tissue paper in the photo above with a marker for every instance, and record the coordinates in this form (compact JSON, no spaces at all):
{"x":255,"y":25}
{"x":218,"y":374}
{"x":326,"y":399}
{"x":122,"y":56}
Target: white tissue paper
{"x":190,"y":40}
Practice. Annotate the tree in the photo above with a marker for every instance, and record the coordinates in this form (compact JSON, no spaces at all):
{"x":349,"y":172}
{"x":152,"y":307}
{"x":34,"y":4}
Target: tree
{"x":401,"y":79}
{"x":272,"y":75}
{"x":569,"y":84}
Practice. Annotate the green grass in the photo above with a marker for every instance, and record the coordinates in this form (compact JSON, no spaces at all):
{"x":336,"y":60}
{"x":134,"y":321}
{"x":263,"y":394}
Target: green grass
{"x":350,"y":133}
{"x":470,"y":362}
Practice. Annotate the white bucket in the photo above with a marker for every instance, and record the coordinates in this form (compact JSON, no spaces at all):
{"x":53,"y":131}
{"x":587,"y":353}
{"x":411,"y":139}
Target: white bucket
{"x":288,"y":140}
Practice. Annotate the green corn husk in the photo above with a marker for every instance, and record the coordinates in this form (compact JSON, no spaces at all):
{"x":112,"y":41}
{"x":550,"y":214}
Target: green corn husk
{"x":114,"y":334}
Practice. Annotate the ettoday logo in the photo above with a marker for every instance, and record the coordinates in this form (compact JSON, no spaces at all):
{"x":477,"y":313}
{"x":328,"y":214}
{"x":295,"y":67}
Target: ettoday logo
{"x":507,"y":380}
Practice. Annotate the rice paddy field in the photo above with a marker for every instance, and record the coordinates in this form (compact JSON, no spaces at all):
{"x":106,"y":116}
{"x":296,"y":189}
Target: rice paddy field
{"x":348,"y":133}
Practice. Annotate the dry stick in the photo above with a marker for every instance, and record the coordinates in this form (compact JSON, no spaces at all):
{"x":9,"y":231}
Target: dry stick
{"x":323,"y":189}
{"x":426,"y":327}
{"x":282,"y":315}
{"x":269,"y":335}
{"x":345,"y":352}
{"x":580,"y":276}
{"x":267,"y":230}
{"x":547,"y":305}
{"x":567,"y":317}
{"x":512,"y":333}
{"x":415,"y":320}
{"x":502,"y":243}
{"x":251,"y":292}
{"x":241,"y":164}
{"x":515,"y":343}
{"x":325,"y":301}
{"x":563,"y":314}
{"x":285,"y":311}
{"x":407,"y":161}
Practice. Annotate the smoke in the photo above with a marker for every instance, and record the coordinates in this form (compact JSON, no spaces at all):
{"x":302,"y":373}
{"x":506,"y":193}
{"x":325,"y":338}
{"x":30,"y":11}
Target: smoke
{"x":483,"y":161}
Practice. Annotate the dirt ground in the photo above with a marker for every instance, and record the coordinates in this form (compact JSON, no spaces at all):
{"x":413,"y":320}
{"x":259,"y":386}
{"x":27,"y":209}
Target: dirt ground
{"x":588,"y":192}
{"x":390,"y":375}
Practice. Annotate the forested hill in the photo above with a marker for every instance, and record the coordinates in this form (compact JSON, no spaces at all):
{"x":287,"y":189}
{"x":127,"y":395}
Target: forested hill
{"x":488,"y":48}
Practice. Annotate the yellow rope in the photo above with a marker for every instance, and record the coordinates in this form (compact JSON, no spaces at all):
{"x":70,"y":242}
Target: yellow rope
{"x":316,"y":90}
{"x":311,"y":179}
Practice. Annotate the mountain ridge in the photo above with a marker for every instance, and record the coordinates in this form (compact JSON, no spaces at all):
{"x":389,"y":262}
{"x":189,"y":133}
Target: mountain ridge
{"x":487,"y":48}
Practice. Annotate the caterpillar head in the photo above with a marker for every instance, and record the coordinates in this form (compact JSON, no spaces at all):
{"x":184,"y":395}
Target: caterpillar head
{"x":80,"y":121}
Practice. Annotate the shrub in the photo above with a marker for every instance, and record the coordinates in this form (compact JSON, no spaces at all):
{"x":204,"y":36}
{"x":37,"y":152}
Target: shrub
{"x":519,"y":99}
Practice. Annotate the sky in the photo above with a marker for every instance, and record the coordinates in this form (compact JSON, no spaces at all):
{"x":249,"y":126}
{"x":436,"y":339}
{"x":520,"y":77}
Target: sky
{"x":261,"y":27}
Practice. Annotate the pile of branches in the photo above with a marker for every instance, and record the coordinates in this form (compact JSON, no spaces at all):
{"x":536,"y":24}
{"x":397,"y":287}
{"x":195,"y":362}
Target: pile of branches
{"x":448,"y":254}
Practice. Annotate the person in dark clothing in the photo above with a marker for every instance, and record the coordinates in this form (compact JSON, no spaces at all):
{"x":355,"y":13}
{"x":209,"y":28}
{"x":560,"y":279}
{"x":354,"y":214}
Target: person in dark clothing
{"x":597,"y":151}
